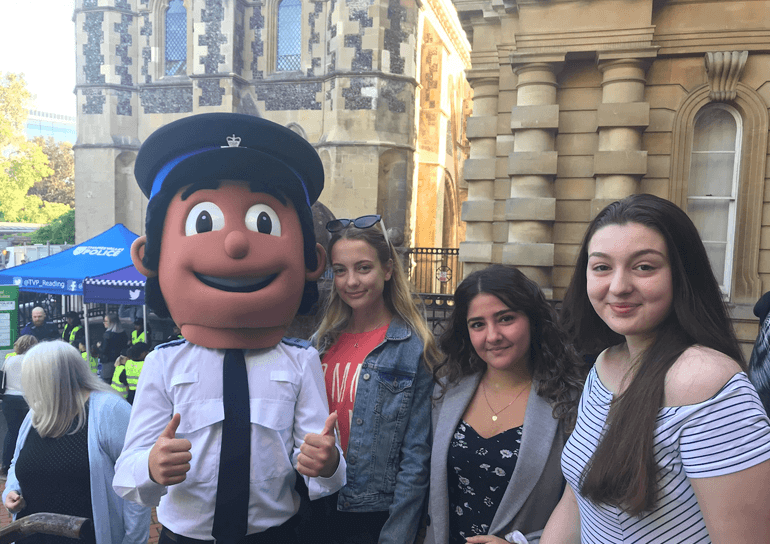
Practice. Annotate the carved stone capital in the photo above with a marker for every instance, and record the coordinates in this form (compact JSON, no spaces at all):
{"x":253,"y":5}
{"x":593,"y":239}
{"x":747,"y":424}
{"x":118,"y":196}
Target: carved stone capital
{"x":724,"y":70}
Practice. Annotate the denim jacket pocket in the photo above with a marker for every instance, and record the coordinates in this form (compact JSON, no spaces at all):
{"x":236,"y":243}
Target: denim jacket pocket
{"x":394,"y":394}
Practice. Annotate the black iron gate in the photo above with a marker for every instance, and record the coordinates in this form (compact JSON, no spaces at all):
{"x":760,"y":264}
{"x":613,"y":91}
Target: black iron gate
{"x":435,"y":273}
{"x":435,"y":270}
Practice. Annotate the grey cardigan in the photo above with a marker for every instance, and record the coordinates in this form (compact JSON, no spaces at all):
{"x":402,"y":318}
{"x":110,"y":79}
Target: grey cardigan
{"x":536,"y":484}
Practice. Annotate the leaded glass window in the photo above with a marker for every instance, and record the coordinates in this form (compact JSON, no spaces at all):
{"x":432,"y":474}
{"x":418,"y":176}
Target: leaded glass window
{"x":176,"y":39}
{"x":712,"y":189}
{"x":288,"y":53}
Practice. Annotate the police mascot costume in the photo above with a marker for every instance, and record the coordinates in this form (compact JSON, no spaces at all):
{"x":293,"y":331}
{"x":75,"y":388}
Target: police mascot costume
{"x":222,"y":417}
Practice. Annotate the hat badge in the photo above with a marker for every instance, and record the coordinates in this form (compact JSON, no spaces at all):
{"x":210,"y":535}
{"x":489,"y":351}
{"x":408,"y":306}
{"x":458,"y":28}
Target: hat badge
{"x":233,"y":141}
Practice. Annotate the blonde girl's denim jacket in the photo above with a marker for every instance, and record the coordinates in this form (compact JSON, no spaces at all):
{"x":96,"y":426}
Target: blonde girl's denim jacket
{"x":390,"y":436}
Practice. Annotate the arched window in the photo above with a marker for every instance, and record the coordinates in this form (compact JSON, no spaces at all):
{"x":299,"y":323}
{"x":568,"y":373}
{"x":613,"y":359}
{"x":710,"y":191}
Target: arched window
{"x":176,"y":39}
{"x":289,"y":36}
{"x":712,"y":188}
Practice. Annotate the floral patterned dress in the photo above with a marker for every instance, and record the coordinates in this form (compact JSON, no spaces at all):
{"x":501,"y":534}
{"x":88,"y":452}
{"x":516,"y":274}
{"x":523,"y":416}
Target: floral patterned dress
{"x":478,"y":472}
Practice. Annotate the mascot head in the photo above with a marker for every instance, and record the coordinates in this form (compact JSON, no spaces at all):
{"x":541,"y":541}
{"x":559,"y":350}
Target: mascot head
{"x":229,"y":251}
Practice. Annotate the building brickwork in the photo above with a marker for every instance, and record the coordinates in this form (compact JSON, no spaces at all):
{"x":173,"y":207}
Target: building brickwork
{"x":580,"y":103}
{"x":380,"y":92}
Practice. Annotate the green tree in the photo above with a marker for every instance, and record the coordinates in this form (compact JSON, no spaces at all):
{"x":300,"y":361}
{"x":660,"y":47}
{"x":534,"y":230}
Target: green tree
{"x":59,"y":186}
{"x":59,"y":231}
{"x":22,"y":163}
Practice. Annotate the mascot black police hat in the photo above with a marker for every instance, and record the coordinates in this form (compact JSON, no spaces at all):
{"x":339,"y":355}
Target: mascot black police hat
{"x":218,"y":146}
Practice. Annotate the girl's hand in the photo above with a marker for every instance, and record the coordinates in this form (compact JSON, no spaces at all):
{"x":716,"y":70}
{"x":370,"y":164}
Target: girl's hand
{"x":485,"y":539}
{"x":14,"y":502}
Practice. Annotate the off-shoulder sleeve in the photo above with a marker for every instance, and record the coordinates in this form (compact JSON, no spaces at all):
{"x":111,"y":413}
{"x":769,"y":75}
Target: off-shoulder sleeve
{"x":727,"y":433}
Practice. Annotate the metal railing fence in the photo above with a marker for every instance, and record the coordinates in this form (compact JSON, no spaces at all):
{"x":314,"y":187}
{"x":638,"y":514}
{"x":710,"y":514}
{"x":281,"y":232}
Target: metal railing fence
{"x":435,"y":270}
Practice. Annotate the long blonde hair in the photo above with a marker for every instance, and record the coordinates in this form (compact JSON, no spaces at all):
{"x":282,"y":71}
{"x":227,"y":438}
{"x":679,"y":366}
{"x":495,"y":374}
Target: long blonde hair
{"x":398,"y":296}
{"x":56,"y":383}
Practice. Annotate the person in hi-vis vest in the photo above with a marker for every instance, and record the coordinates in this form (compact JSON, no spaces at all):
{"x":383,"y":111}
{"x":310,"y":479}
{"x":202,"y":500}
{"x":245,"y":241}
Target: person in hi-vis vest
{"x":134,"y":363}
{"x":73,"y":331}
{"x":119,"y":382}
{"x":138,"y":334}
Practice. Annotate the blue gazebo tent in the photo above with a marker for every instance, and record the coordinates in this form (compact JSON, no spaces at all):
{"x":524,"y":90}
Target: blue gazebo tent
{"x":123,"y":286}
{"x":63,"y":273}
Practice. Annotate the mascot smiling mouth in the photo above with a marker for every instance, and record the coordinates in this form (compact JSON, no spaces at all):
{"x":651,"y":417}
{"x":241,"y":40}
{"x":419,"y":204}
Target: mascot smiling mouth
{"x":236,"y":285}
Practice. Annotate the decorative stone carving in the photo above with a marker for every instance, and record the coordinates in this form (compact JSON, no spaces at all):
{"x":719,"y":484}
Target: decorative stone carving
{"x":724,"y":70}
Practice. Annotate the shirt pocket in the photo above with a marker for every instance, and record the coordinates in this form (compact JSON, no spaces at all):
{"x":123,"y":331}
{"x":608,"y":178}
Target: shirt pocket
{"x":199,"y":424}
{"x":272,"y":422}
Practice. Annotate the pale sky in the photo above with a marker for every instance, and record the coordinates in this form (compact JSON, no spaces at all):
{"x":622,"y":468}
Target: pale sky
{"x":38,"y":38}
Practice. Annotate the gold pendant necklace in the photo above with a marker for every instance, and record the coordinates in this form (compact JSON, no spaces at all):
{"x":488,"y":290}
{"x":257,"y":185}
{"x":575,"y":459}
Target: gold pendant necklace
{"x":355,"y":345}
{"x":494,"y":414}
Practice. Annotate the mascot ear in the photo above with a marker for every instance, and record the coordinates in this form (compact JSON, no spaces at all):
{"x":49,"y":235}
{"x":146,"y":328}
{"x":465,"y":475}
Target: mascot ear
{"x":313,"y":275}
{"x":137,"y":254}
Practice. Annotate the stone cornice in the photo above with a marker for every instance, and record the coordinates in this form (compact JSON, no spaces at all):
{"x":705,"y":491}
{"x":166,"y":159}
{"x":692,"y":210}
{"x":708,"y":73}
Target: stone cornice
{"x":678,"y":43}
{"x":450,"y":22}
{"x":489,"y":11}
{"x":519,"y":60}
{"x":584,"y":40}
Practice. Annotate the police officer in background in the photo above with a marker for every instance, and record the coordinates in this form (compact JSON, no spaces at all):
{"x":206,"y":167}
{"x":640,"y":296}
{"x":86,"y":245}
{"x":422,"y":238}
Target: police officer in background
{"x":38,"y":326}
{"x":73,"y":332}
{"x":138,"y":334}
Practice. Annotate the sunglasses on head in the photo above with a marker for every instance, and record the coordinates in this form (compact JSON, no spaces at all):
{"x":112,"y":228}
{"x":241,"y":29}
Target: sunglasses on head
{"x":363,"y":222}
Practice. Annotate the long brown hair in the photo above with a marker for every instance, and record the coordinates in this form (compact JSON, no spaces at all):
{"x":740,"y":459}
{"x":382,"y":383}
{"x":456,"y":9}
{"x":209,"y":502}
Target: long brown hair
{"x":554,"y":364}
{"x":398,"y":296}
{"x":622,"y":471}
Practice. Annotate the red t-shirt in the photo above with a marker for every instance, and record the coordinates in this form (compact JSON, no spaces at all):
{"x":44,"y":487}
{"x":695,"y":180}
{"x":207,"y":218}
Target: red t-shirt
{"x":341,"y":366}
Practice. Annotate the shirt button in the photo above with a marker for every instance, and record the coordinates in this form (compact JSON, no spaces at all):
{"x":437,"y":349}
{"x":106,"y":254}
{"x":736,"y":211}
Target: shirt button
{"x":366,"y":376}
{"x":359,"y":421}
{"x":347,"y":504}
{"x":352,"y":461}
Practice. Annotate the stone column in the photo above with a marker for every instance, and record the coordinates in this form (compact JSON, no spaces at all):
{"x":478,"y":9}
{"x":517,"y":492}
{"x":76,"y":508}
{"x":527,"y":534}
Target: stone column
{"x":619,"y":162}
{"x":531,"y":207}
{"x":479,"y":171}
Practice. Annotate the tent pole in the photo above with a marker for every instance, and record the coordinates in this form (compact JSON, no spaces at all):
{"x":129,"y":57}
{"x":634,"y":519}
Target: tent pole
{"x":144,"y":320}
{"x":88,"y":342}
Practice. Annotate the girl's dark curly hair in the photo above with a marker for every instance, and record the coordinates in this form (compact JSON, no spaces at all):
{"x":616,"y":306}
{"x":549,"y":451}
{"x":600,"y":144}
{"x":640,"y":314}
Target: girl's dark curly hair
{"x":554,"y":364}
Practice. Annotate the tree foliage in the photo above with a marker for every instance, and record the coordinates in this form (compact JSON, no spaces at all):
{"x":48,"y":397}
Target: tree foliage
{"x":22,"y":163}
{"x":59,"y":186}
{"x":59,"y":231}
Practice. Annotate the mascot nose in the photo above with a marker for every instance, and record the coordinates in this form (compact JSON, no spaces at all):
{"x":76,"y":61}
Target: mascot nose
{"x":236,"y":245}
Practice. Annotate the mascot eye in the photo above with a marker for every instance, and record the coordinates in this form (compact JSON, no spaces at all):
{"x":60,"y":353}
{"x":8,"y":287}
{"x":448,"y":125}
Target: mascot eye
{"x":204,"y":217}
{"x":262,"y":218}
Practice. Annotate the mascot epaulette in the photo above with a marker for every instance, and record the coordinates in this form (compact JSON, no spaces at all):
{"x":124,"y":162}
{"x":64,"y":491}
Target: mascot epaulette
{"x":172,"y":343}
{"x":296,"y":342}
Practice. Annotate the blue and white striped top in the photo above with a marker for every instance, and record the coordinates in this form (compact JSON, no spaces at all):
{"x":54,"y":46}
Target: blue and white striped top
{"x":727,"y":433}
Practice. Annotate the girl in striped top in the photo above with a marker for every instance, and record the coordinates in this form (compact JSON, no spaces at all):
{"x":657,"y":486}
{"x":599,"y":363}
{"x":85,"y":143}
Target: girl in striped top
{"x":671,"y":442}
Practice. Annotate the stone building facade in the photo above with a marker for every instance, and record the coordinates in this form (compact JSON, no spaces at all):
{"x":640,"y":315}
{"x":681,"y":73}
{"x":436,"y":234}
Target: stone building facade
{"x":579,"y":103}
{"x":377,"y":86}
